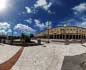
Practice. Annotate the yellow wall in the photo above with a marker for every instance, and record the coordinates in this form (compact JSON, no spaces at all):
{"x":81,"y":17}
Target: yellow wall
{"x":62,"y":30}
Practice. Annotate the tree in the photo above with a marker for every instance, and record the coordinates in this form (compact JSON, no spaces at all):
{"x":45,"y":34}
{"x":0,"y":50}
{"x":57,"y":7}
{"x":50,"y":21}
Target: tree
{"x":26,"y":38}
{"x":31,"y":35}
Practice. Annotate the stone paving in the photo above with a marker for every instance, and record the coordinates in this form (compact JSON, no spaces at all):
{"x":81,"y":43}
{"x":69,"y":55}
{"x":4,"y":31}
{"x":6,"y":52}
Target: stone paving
{"x":39,"y":57}
{"x":47,"y":58}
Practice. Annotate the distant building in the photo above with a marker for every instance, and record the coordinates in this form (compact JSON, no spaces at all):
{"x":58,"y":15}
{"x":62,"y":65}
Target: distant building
{"x":63,"y":32}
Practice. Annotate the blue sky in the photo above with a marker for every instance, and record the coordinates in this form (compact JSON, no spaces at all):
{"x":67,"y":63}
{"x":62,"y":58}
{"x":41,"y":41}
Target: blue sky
{"x":33,"y":16}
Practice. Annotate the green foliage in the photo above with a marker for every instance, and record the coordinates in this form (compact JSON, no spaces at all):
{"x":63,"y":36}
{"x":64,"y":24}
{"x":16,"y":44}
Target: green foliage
{"x":26,"y":38}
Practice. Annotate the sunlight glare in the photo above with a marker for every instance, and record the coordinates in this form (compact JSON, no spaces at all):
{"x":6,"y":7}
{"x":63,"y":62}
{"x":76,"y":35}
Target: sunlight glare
{"x":3,"y":5}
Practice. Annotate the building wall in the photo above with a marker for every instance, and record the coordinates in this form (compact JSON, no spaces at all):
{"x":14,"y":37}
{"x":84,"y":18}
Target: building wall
{"x":63,"y":31}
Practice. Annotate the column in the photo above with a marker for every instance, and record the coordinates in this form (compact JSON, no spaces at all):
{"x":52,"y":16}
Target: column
{"x":85,"y":36}
{"x":62,"y":36}
{"x":75,"y":36}
{"x":65,"y":36}
{"x":68,"y":36}
{"x":53,"y":36}
{"x":58,"y":36}
{"x":71,"y":36}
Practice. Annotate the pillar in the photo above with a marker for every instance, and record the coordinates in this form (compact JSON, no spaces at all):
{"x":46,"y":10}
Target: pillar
{"x":58,"y":36}
{"x":62,"y":36}
{"x":75,"y":36}
{"x":53,"y":36}
{"x":65,"y":36}
{"x":71,"y":36}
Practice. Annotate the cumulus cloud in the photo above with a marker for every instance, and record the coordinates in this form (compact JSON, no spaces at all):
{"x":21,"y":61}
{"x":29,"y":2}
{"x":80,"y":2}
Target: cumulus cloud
{"x":83,"y":18}
{"x":28,"y":9}
{"x":4,"y":25}
{"x":71,"y":21}
{"x":24,"y":28}
{"x":48,"y":24}
{"x":75,"y":22}
{"x":40,"y":3}
{"x":3,"y":32}
{"x":43,"y":4}
{"x":4,"y":28}
{"x":46,"y":7}
{"x":42,"y":26}
{"x":80,"y":8}
{"x":80,"y":13}
{"x":39,"y":24}
{"x":83,"y":24}
{"x":29,"y":20}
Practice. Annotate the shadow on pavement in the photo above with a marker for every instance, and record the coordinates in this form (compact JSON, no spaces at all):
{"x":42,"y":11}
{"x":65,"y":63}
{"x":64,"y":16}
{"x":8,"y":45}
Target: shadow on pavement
{"x":77,"y":62}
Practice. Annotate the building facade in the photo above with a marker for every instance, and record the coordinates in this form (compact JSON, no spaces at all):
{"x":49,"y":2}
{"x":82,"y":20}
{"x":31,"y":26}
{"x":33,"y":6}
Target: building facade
{"x":63,"y":32}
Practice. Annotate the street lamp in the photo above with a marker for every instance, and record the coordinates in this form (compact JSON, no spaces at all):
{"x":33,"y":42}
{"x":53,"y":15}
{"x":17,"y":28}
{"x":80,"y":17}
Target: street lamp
{"x":12,"y":28}
{"x":48,"y":33}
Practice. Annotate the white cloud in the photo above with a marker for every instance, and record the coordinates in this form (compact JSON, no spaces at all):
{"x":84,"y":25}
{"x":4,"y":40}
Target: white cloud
{"x":80,"y":16}
{"x":24,"y":28}
{"x":80,"y":11}
{"x":29,"y":20}
{"x":43,"y":4}
{"x":80,"y":8}
{"x":75,"y":22}
{"x":37,"y":21}
{"x":5,"y":28}
{"x":50,"y":12}
{"x":39,"y":24}
{"x":46,"y":7}
{"x":4,"y":25}
{"x":48,"y":24}
{"x":83,"y":24}
{"x":3,"y":32}
{"x":43,"y":25}
{"x":28,"y":10}
{"x":40,"y":3}
{"x":83,"y":18}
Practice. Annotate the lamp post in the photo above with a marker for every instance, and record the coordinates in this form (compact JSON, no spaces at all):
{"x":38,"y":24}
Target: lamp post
{"x":48,"y":33}
{"x":12,"y":28}
{"x":7,"y":38}
{"x":12,"y":36}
